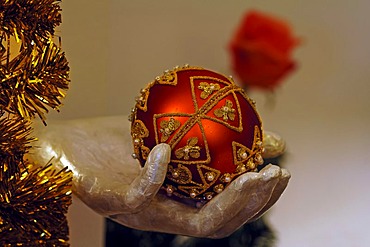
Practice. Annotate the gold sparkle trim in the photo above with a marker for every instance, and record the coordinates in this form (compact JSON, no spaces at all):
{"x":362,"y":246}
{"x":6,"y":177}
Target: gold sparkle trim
{"x":203,"y":171}
{"x":168,"y":127}
{"x":180,"y":175}
{"x":138,"y":132}
{"x":208,"y":89}
{"x":141,"y":101}
{"x":189,"y":150}
{"x":226,"y":112}
{"x":244,"y":157}
{"x":168,"y":77}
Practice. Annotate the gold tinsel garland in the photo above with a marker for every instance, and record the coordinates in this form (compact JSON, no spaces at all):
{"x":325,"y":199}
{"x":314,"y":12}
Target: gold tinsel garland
{"x":14,"y":143}
{"x":34,"y":214}
{"x":29,"y":21}
{"x":34,"y":80}
{"x":33,"y":77}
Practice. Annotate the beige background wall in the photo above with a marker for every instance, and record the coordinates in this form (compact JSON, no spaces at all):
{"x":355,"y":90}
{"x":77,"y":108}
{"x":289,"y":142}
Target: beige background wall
{"x":322,"y":110}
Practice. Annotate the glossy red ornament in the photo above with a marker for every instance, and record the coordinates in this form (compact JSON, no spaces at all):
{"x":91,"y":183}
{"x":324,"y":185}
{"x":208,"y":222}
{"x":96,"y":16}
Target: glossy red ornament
{"x":211,"y":125}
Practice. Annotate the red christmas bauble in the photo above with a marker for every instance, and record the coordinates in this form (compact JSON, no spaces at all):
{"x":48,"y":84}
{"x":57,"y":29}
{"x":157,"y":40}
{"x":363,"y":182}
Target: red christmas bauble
{"x":211,"y":125}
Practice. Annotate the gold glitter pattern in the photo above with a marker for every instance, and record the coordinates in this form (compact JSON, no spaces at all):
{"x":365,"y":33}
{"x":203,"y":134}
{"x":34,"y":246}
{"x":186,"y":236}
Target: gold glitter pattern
{"x":226,"y":112}
{"x":189,"y":150}
{"x":246,"y":158}
{"x":168,"y":127}
{"x":141,"y":101}
{"x":181,"y":174}
{"x":168,"y":77}
{"x":208,"y":89}
{"x":199,"y":188}
{"x":138,"y":132}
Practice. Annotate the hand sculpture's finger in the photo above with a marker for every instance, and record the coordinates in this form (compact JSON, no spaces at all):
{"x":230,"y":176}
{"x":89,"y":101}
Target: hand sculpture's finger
{"x":273,"y":145}
{"x":146,"y":186}
{"x":259,"y":193}
{"x":225,"y":206}
{"x":105,"y":192}
{"x":248,"y":194}
{"x":279,"y":189}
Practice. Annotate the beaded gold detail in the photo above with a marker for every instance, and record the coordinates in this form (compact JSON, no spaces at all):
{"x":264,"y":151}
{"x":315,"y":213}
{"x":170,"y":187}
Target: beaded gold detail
{"x":189,"y":150}
{"x":193,"y":193}
{"x":208,"y":89}
{"x":170,"y":189}
{"x":205,"y":173}
{"x":191,"y":189}
{"x":138,"y":132}
{"x":144,"y":152}
{"x":210,"y":176}
{"x":251,"y":164}
{"x":243,"y":153}
{"x":181,"y":174}
{"x":218,"y":188}
{"x":240,"y":169}
{"x":226,"y":112}
{"x":226,"y":178}
{"x":168,"y":127}
{"x":168,"y":77}
{"x":245,"y":158}
{"x":141,"y":100}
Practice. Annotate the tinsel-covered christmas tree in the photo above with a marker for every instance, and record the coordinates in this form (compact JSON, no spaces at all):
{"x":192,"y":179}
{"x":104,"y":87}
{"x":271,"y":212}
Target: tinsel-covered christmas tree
{"x":34,"y":75}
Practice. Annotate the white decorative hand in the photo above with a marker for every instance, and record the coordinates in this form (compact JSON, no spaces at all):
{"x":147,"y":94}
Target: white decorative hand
{"x":112,"y":183}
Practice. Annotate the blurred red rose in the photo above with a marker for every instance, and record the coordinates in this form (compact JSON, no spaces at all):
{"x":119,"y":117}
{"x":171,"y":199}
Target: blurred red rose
{"x":261,"y":50}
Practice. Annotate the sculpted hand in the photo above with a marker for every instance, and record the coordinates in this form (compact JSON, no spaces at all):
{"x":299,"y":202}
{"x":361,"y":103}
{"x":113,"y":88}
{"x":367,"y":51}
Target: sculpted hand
{"x":112,"y":183}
